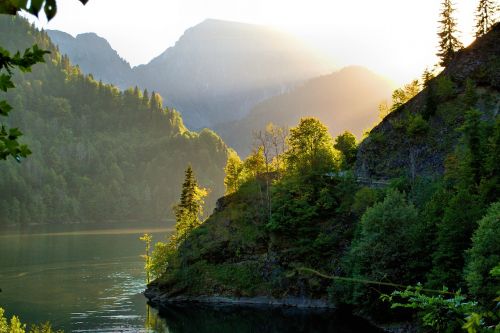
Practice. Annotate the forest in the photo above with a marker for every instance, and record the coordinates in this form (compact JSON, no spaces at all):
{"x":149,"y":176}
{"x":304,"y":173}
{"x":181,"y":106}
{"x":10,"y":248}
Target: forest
{"x":401,"y":228}
{"x":98,"y":153}
{"x":299,"y":219}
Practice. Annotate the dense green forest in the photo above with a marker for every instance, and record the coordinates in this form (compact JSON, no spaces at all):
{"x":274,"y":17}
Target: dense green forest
{"x":299,"y":221}
{"x":98,"y":153}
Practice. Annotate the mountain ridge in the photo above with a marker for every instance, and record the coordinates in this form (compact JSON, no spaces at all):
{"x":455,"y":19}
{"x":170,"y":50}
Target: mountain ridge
{"x":217,"y":70}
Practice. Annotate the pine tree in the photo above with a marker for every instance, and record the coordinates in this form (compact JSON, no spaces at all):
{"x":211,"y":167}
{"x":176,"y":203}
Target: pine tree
{"x":485,"y":16}
{"x":448,"y":41}
{"x":427,"y":76}
{"x":189,"y":210}
{"x":145,"y":97}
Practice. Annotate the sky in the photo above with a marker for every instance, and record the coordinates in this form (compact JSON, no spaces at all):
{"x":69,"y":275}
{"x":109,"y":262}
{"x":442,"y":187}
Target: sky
{"x":395,"y":38}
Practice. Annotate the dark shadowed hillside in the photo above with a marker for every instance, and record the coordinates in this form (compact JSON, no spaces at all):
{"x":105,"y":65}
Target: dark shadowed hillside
{"x":416,"y":138}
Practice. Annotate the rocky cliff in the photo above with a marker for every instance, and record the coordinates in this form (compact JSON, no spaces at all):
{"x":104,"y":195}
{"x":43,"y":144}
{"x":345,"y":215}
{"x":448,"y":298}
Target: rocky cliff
{"x":415,"y":139}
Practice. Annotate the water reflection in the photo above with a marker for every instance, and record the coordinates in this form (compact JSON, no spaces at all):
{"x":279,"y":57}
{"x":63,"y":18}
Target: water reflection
{"x":204,"y":319}
{"x":91,"y":281}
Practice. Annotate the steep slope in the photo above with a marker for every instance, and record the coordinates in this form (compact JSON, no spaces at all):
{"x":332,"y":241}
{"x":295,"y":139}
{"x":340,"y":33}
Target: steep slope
{"x":416,"y":138}
{"x":343,"y":100}
{"x":98,"y":154}
{"x":94,"y":55}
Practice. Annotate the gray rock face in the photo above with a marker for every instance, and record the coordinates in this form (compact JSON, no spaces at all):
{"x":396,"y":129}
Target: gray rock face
{"x":393,"y":150}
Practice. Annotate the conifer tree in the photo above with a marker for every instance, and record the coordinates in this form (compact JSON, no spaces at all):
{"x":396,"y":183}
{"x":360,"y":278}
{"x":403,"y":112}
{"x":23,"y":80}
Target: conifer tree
{"x":155,"y":102}
{"x":427,"y":76}
{"x":189,"y":210}
{"x":145,"y":97}
{"x":485,"y":16}
{"x":448,"y":41}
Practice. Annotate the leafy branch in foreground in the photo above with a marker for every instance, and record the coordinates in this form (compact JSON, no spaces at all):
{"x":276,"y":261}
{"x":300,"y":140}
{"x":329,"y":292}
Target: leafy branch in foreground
{"x":9,"y":144}
{"x":11,"y":7}
{"x":450,"y":314}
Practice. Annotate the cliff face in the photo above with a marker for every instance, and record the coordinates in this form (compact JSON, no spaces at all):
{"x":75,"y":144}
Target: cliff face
{"x":415,"y":139}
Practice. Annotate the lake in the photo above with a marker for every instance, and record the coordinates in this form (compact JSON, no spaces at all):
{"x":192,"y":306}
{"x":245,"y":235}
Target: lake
{"x":90,"y":278}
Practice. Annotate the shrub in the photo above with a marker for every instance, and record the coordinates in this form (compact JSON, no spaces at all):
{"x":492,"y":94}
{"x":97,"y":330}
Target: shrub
{"x":484,"y":255}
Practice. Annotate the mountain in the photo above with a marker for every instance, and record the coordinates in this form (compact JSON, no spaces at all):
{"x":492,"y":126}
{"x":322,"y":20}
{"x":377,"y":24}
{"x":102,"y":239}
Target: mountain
{"x":94,"y":55}
{"x":417,"y":138}
{"x":99,"y":154}
{"x":216,"y":72}
{"x":343,"y":100}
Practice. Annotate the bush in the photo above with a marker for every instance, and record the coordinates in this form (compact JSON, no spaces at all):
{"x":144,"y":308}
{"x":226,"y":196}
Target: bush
{"x":384,"y":249}
{"x":416,"y":126}
{"x":363,"y":199}
{"x":484,"y":255}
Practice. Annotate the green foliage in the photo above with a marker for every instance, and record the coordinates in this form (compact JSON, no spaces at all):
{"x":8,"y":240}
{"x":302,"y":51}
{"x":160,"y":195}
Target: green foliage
{"x":384,"y":247}
{"x":11,"y":7}
{"x":345,"y":143}
{"x":402,"y":95}
{"x":438,"y":313}
{"x":363,"y":199}
{"x":310,"y":148}
{"x":445,"y":87}
{"x":161,"y":257}
{"x":483,"y":256}
{"x":470,"y":95}
{"x":233,"y":171}
{"x":448,"y":41}
{"x":14,"y":325}
{"x":417,"y":126}
{"x":189,"y":210}
{"x":146,"y":238}
{"x":486,"y":15}
{"x":9,"y":144}
{"x":98,"y":154}
{"x":453,"y":238}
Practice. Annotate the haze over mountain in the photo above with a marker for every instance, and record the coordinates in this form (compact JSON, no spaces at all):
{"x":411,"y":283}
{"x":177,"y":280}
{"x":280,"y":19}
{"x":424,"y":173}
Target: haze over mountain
{"x":216,"y":72}
{"x":99,"y":154}
{"x":94,"y":55}
{"x":343,"y":100}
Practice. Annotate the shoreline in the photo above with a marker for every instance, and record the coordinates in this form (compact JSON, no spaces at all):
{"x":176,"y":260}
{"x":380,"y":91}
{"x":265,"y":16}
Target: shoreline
{"x":157,"y":298}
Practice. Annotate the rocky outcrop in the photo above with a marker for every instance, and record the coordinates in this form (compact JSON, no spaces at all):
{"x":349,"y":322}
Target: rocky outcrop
{"x":404,"y":145}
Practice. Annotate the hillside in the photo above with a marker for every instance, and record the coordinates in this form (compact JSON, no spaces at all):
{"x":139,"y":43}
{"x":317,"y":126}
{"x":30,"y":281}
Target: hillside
{"x":98,"y":154}
{"x":94,"y":55}
{"x":306,"y":231}
{"x":403,"y":145}
{"x":216,"y":72}
{"x":343,"y":100}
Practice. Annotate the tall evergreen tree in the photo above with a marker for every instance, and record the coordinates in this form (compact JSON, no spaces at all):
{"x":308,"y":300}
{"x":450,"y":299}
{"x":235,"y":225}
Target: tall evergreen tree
{"x":189,"y":210}
{"x":448,"y":41}
{"x":485,"y":16}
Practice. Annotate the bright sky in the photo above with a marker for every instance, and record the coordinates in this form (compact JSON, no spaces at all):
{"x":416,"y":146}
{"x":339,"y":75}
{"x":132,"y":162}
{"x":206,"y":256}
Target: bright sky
{"x":396,"y":38}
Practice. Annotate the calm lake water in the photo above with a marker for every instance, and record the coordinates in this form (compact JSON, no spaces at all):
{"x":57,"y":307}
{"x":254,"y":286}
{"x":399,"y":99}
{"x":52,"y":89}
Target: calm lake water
{"x":88,"y":279}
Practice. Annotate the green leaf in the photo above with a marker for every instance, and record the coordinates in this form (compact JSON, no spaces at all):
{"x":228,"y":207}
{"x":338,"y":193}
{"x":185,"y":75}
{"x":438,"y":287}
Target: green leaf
{"x":50,"y":9}
{"x":5,"y":108}
{"x":35,"y":7}
{"x":5,"y":82}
